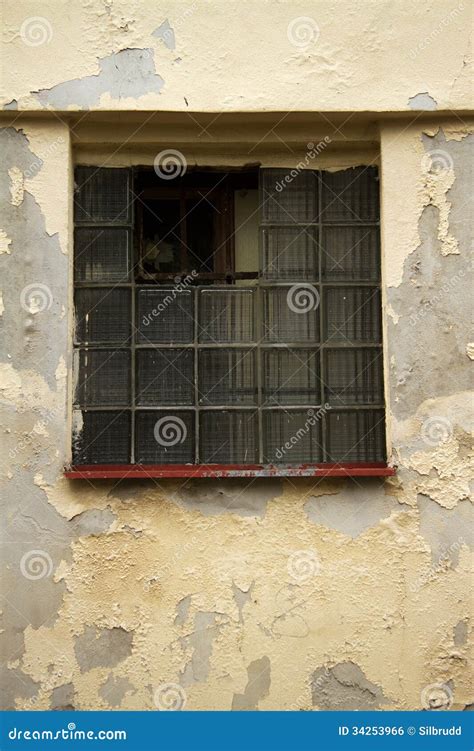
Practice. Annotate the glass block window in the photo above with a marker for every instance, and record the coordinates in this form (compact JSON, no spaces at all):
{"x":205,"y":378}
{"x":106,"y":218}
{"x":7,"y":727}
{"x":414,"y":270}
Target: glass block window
{"x":181,"y":359}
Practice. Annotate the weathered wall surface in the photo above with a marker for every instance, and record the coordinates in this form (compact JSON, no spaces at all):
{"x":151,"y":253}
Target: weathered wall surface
{"x":362,"y":55}
{"x":261,"y":594}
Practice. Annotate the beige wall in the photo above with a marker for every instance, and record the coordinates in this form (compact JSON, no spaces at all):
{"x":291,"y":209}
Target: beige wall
{"x":261,"y":594}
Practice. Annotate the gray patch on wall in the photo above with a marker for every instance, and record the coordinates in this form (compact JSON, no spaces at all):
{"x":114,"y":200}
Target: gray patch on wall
{"x":166,"y":34}
{"x":93,"y":522}
{"x":241,"y":598}
{"x":345,"y":687}
{"x":128,"y":73}
{"x":433,"y":302}
{"x":446,"y":530}
{"x":422,"y":101}
{"x":201,"y":641}
{"x":114,"y":689}
{"x":62,"y":697}
{"x":460,"y":633}
{"x":96,"y":648}
{"x":257,"y":688}
{"x":214,"y":497}
{"x":358,"y":506}
{"x":182,"y":610}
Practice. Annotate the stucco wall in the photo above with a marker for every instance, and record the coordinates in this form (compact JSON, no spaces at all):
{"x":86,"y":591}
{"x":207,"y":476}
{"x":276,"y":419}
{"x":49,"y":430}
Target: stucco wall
{"x":261,"y":594}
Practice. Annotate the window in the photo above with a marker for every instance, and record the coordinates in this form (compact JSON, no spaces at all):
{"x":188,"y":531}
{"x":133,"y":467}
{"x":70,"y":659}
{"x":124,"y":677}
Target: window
{"x":228,"y":319}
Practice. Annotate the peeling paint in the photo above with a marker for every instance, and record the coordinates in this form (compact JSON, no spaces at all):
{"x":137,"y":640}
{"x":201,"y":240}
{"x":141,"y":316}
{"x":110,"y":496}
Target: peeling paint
{"x":257,"y":688}
{"x":345,"y":686}
{"x":5,"y":242}
{"x":17,"y":187}
{"x":123,"y":75}
{"x":423,"y":102}
{"x":162,"y":581}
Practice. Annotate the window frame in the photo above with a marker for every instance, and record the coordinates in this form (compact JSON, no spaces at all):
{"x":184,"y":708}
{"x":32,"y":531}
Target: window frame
{"x":321,"y":469}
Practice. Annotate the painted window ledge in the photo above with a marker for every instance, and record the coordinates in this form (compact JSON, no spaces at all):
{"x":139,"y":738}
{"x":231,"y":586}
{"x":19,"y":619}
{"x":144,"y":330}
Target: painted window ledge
{"x":122,"y":471}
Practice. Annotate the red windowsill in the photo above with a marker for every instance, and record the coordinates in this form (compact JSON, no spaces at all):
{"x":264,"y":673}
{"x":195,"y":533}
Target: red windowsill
{"x":128,"y":471}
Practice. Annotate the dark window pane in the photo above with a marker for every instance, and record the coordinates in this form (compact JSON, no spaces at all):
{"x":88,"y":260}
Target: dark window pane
{"x":102,"y":195}
{"x":101,"y":255}
{"x":351,"y":253}
{"x":291,"y":376}
{"x":226,"y":315}
{"x":165,"y":316}
{"x":164,"y":376}
{"x":164,"y":437}
{"x":290,"y":253}
{"x":228,"y":437}
{"x":356,"y":436}
{"x":291,"y":437}
{"x":353,"y":376}
{"x":353,"y":314}
{"x":101,"y":438}
{"x":351,"y":195}
{"x":227,"y":376}
{"x":201,"y":217}
{"x":288,"y":197}
{"x":103,"y":315}
{"x":291,"y":314}
{"x":103,"y":378}
{"x":161,"y":236}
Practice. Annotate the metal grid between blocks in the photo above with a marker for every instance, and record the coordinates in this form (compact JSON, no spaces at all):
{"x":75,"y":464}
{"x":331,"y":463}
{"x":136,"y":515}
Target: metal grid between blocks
{"x":287,"y":370}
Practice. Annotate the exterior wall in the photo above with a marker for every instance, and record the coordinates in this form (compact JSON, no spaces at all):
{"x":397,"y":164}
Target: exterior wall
{"x":262,"y":594}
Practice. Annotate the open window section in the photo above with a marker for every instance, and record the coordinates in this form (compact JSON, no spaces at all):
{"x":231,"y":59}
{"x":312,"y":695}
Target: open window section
{"x":227,"y":323}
